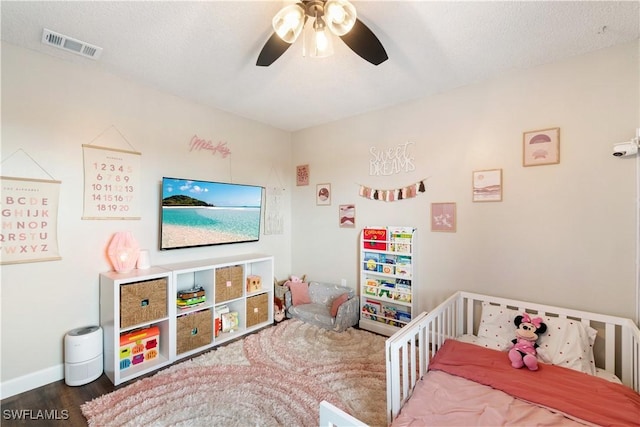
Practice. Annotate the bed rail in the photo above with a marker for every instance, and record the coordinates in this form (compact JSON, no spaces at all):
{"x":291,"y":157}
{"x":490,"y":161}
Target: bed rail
{"x":332,"y":416}
{"x":409,"y":350}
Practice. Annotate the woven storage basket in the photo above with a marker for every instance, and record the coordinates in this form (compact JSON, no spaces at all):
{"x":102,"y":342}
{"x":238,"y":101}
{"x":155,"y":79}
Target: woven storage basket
{"x":257,"y":309}
{"x":229,"y":283}
{"x":194,"y":330}
{"x":142,"y":302}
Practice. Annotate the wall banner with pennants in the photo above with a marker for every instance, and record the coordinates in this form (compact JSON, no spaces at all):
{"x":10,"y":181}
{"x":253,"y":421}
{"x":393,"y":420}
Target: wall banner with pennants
{"x":29,"y":220}
{"x":394,"y":194}
{"x":111,"y":183}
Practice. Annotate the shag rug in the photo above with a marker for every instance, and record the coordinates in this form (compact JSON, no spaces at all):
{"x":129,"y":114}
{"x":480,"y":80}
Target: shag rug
{"x":275,"y":377}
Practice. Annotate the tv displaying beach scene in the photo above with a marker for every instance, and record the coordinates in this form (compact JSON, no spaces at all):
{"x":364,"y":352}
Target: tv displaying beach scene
{"x":204,"y":213}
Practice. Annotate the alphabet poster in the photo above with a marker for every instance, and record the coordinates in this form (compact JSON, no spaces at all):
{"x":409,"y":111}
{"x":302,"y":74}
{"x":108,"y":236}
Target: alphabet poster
{"x":111,"y":183}
{"x":29,"y":220}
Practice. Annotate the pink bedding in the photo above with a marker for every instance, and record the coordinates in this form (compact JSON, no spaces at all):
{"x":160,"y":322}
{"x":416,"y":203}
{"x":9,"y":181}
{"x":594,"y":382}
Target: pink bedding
{"x":441,"y":399}
{"x":447,"y":402}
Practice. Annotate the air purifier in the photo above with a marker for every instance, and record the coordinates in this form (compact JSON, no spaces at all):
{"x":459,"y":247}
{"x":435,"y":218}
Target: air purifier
{"x":83,"y":355}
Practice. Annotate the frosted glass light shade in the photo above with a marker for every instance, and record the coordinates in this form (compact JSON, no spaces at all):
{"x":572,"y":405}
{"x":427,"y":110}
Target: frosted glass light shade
{"x":288,"y":22}
{"x":340,"y":16}
{"x":123,"y":251}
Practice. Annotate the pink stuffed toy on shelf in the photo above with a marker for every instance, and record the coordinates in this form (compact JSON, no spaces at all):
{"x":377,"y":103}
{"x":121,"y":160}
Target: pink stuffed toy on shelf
{"x":523,"y":352}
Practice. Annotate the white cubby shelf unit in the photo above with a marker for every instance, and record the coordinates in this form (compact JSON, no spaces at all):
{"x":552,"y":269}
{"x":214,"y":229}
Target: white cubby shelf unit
{"x":182,"y":332}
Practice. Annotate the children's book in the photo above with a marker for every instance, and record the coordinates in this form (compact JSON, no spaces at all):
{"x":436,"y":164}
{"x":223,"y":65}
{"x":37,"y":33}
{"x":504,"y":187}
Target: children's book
{"x":386,"y":290}
{"x":217,"y":319}
{"x":402,"y":297}
{"x":371,"y":309}
{"x":387,"y":263}
{"x":230,"y":321}
{"x":371,"y":290}
{"x":372,"y":282}
{"x":372,"y":261}
{"x":404,"y":316}
{"x":375,"y":238}
{"x":403,"y":290}
{"x":403,"y":266}
{"x":401,"y":239}
{"x":390,"y":314}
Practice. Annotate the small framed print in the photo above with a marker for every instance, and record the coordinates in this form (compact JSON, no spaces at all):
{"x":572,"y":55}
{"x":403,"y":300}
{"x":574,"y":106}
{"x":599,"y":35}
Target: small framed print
{"x":541,"y":147}
{"x":302,"y":175}
{"x":323,"y":194}
{"x":443,"y":217}
{"x":487,"y":185}
{"x":347,"y":216}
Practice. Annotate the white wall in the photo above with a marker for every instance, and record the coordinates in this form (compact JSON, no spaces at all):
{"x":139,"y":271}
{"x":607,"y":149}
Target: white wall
{"x":564,"y":234}
{"x":49,"y":109}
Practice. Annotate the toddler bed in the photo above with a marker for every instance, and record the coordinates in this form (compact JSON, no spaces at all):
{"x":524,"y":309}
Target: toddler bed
{"x":449,"y":367}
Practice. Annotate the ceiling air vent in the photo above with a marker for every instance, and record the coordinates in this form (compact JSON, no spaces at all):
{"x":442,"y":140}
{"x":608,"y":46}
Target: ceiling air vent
{"x":69,"y":44}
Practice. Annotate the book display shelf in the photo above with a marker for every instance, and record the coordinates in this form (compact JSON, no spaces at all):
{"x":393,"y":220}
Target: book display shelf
{"x":154,"y":317}
{"x":387,"y":277}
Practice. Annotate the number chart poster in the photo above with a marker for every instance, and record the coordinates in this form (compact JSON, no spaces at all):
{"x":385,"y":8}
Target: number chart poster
{"x":29,"y":220}
{"x":111,"y":183}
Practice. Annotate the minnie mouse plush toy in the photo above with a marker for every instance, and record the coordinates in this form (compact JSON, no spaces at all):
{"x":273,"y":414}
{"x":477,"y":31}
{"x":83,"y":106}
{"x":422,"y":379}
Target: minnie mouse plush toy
{"x":524,"y":347}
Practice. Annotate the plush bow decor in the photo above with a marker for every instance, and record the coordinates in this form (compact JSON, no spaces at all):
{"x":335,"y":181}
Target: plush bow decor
{"x":536,"y":321}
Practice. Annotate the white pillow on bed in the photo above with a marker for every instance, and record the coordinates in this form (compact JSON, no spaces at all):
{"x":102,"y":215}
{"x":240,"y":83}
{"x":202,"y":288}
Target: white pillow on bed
{"x":482,"y":342}
{"x":566,"y":343}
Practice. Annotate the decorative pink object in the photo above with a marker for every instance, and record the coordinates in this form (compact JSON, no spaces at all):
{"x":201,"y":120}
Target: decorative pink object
{"x":123,"y":251}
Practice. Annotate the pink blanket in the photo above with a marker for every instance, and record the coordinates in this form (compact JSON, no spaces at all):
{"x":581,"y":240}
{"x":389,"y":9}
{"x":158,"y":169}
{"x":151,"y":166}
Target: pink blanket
{"x":577,"y":394}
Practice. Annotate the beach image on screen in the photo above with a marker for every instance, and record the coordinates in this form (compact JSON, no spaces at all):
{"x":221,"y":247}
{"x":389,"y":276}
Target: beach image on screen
{"x":202,"y":213}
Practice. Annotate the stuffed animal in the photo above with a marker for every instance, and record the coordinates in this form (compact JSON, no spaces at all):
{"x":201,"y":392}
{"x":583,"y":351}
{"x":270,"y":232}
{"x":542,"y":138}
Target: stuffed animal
{"x":278,"y":310}
{"x":523,"y":352}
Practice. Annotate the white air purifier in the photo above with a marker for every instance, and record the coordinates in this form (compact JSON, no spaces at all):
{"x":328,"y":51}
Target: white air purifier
{"x":83,"y":361}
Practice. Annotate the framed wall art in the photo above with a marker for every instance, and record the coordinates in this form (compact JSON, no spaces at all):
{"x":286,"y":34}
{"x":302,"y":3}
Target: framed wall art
{"x":347,"y":216}
{"x":487,"y":185}
{"x":541,"y":147}
{"x":443,"y":217}
{"x":302,"y":175}
{"x":323,"y":194}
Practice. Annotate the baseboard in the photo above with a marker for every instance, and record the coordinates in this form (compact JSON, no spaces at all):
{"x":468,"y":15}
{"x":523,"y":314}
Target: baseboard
{"x":29,"y":382}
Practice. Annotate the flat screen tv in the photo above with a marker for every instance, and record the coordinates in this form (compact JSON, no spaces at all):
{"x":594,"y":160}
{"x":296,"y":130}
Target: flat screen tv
{"x":204,"y":213}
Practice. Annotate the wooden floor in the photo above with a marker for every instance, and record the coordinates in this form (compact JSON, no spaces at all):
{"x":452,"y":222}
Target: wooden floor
{"x":55,"y":400}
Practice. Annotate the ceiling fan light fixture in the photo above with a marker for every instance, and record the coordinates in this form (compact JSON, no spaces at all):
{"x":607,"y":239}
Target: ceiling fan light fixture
{"x":319,"y":21}
{"x":340,"y":16}
{"x":288,"y":22}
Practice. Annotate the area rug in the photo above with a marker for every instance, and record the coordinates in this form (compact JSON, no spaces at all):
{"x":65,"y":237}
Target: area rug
{"x":275,"y":377}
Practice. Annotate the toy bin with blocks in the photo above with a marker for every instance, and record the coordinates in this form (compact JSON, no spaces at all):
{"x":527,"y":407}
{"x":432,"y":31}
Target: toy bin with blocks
{"x":139,"y":346}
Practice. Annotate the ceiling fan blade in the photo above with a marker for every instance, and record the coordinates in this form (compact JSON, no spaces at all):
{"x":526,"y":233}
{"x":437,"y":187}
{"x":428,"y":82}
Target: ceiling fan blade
{"x":362,"y":41}
{"x":272,"y":50}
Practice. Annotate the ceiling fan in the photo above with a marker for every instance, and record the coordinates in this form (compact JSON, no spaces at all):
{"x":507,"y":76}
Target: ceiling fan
{"x":324,"y":18}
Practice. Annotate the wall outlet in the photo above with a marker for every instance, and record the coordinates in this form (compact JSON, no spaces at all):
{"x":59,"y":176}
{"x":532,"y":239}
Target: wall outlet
{"x":343,"y":282}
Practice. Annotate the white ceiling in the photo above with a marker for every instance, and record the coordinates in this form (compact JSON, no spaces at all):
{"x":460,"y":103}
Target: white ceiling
{"x":206,"y":51}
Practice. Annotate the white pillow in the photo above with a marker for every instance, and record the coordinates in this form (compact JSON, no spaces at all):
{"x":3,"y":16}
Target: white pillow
{"x":566,"y":343}
{"x":607,"y":376}
{"x":481,"y":341}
